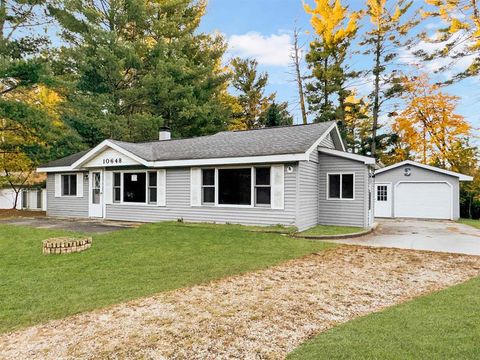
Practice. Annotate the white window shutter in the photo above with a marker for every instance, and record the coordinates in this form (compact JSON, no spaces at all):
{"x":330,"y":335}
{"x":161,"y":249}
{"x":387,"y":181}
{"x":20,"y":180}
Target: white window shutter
{"x":162,"y":187}
{"x":278,"y":186}
{"x":108,"y":189}
{"x":195,"y":186}
{"x":58,"y":185}
{"x":79,"y":184}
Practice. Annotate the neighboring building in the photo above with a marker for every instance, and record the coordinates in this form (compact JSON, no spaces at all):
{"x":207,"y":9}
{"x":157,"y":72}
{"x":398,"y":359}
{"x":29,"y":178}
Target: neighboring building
{"x":28,"y":199}
{"x":298,"y":175}
{"x":413,"y":190}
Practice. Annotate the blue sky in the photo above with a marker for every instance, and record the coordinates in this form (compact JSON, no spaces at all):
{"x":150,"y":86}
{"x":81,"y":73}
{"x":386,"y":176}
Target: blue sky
{"x":262,"y":29}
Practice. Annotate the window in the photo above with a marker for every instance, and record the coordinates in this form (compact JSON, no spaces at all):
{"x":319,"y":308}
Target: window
{"x":134,"y":187}
{"x":340,"y":186}
{"x":117,"y":187}
{"x":235,"y":186}
{"x":69,"y":185}
{"x":152,"y":187}
{"x":262,"y":186}
{"x":382,"y":193}
{"x":39,"y":199}
{"x":208,"y":186}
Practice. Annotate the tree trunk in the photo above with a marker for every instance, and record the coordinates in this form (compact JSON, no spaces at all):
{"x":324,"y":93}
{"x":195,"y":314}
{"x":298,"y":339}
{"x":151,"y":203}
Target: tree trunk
{"x":325,"y":85}
{"x":15,"y":200}
{"x":298,"y":74}
{"x":376,"y":94}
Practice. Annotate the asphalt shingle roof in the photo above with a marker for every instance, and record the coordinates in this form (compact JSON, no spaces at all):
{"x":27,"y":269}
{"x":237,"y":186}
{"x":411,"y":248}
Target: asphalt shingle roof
{"x":268,"y":141}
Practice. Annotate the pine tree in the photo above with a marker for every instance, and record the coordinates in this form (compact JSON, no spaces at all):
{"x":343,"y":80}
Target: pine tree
{"x":277,"y":115}
{"x":334,"y":27}
{"x":135,"y":65}
{"x":250,"y":86}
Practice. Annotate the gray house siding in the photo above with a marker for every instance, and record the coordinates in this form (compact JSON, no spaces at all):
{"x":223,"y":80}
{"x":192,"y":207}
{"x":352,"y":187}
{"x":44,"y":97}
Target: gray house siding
{"x":328,"y":142}
{"x":75,"y":207}
{"x":343,"y":212}
{"x":178,"y":206}
{"x":307,"y":213}
{"x":423,"y":175}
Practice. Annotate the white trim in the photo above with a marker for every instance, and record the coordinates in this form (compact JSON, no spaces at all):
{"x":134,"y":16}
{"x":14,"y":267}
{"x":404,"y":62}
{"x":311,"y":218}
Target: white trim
{"x":203,"y":162}
{"x":365,"y":159}
{"x":341,"y":181}
{"x":423,"y":182}
{"x":461,"y":177}
{"x":320,"y":139}
{"x":133,"y":171}
{"x":340,"y":138}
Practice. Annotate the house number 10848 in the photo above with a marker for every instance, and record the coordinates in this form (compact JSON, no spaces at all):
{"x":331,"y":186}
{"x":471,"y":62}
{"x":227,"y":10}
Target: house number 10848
{"x":112,"y":161}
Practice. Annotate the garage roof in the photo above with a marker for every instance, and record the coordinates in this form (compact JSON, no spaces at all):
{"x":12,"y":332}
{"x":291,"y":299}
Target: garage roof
{"x":461,"y":177}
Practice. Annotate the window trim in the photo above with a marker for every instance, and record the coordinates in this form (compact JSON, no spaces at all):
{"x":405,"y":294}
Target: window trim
{"x":252,"y":204}
{"x":214,"y":186}
{"x":269,"y":186}
{"x":341,"y":198}
{"x":61,"y":185}
{"x":122,"y":172}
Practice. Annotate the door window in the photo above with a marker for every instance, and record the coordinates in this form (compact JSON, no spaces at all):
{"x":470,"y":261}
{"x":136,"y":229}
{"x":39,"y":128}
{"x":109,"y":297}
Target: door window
{"x":96,"y":186}
{"x":382,"y":193}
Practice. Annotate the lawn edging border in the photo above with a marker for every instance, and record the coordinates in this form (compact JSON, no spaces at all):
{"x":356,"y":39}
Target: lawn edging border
{"x":341,"y":236}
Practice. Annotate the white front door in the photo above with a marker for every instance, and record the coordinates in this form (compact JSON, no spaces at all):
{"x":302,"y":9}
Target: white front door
{"x":95,"y":197}
{"x":383,"y":200}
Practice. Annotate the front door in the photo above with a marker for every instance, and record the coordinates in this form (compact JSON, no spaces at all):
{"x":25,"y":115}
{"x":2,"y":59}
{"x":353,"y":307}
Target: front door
{"x":95,"y":208}
{"x":383,"y":200}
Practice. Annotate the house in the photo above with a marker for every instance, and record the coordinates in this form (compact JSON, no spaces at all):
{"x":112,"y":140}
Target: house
{"x":412,"y":190}
{"x":297,"y":175}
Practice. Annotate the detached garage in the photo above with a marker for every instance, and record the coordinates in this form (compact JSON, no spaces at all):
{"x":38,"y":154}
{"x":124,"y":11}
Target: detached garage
{"x":413,"y":190}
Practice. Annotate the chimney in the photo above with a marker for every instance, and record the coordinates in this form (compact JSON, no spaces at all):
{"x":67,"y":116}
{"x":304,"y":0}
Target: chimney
{"x":164,"y":133}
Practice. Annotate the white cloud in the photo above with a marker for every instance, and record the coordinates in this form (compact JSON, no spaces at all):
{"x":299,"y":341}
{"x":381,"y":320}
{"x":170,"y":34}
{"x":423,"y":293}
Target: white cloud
{"x":269,"y":50}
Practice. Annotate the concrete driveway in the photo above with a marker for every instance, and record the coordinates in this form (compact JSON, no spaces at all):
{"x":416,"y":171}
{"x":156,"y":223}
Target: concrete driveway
{"x":77,"y":225}
{"x":440,"y":236}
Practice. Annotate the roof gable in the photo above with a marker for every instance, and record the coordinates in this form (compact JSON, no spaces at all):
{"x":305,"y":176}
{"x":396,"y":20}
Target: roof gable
{"x":461,"y":177}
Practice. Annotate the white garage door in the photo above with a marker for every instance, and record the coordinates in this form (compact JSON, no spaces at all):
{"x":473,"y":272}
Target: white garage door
{"x":423,"y":200}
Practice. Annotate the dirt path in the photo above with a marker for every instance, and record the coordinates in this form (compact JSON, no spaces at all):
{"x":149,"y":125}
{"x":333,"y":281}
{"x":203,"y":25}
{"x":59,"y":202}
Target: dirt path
{"x":261,"y":315}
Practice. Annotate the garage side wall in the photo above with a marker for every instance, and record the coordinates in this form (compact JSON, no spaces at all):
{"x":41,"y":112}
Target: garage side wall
{"x":343,"y":212}
{"x":418,"y":174}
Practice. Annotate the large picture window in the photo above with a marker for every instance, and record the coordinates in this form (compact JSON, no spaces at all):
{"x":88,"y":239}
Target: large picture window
{"x":341,"y":186}
{"x":262,"y":186}
{"x":69,"y":185}
{"x":134,"y":187}
{"x":235,"y":186}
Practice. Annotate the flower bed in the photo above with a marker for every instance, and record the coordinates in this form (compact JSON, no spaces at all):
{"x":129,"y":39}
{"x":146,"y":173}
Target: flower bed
{"x":65,"y":245}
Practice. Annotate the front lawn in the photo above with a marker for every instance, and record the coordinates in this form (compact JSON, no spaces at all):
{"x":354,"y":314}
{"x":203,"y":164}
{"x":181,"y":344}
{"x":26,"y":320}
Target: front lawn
{"x":471,"y":222}
{"x":325,"y":230}
{"x":443,"y":325}
{"x":126,"y":264}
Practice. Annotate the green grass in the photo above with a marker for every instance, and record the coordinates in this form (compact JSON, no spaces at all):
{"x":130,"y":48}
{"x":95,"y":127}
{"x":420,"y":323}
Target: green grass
{"x":323,"y":230}
{"x":126,"y":264}
{"x":471,"y":222}
{"x":443,"y":325}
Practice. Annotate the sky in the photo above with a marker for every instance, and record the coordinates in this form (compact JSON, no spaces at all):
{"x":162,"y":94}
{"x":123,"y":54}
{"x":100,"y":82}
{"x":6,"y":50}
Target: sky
{"x":262,"y":29}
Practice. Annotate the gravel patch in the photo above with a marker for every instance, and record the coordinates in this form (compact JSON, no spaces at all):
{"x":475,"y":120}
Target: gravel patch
{"x":259,"y":315}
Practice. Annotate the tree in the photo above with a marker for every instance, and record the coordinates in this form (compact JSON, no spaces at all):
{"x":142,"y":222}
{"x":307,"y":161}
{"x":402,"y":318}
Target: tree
{"x":429,"y":130}
{"x":277,"y":115}
{"x":355,"y":128}
{"x":459,"y":38}
{"x":335,"y":27}
{"x":135,"y":65}
{"x":30,"y":133}
{"x":388,"y":34}
{"x":250,"y":86}
{"x":296,"y":59}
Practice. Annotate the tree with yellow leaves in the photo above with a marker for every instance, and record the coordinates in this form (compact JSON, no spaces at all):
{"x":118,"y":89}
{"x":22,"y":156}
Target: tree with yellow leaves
{"x":390,"y":26}
{"x":428,"y":129}
{"x":460,"y":37}
{"x":335,"y":27}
